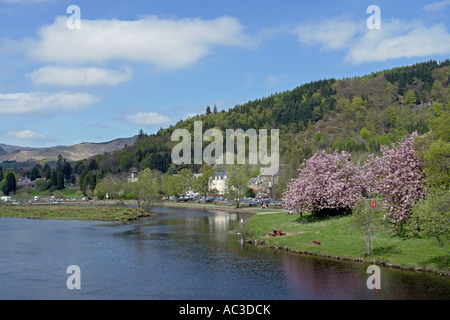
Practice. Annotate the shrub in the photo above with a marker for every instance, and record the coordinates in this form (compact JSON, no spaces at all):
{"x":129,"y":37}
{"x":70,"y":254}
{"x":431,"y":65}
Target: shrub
{"x":431,"y":217}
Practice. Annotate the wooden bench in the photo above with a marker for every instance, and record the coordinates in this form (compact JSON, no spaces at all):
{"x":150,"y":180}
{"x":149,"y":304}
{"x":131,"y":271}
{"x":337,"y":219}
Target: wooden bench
{"x":277,"y":232}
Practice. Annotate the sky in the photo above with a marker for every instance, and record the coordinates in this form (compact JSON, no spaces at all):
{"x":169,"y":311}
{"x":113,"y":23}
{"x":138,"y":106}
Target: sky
{"x":93,"y":71}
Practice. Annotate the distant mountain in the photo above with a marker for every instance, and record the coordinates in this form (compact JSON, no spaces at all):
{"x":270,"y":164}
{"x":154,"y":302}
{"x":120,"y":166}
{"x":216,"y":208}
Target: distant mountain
{"x":10,"y":149}
{"x":71,"y":153}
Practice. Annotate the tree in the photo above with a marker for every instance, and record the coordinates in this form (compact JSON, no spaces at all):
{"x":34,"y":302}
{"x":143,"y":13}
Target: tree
{"x":365,"y":219}
{"x":250,"y":193}
{"x":41,"y":184}
{"x":185,"y":180}
{"x":328,"y":183}
{"x":430,"y":217}
{"x":109,"y":185}
{"x":88,"y":183}
{"x":365,"y":134}
{"x":141,"y":134}
{"x":147,"y":188}
{"x":398,"y":177}
{"x":54,"y":179}
{"x":236,"y":184}
{"x":436,"y":163}
{"x":67,"y":170}
{"x":201,"y":184}
{"x":34,"y":174}
{"x":93,"y":165}
{"x":410,"y":98}
{"x":10,"y":185}
{"x":60,"y":181}
{"x":173,"y":187}
{"x":433,"y":149}
{"x":208,"y":110}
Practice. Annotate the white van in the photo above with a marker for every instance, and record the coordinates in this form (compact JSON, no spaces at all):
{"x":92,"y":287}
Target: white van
{"x":6,"y":199}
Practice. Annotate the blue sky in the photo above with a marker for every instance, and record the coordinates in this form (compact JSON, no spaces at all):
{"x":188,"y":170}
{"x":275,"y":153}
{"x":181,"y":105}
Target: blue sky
{"x":147,"y":64}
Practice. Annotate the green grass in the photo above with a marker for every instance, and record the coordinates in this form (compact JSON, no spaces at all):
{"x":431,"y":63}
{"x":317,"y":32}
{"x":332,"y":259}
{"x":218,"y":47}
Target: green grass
{"x":68,"y":212}
{"x":341,"y":239}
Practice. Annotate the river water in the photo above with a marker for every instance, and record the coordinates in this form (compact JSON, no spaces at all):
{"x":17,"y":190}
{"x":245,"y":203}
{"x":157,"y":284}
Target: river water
{"x":181,"y":254}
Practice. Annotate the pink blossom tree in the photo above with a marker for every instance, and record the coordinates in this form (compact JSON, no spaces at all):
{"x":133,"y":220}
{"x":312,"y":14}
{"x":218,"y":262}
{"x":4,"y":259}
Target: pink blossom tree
{"x":328,"y":182}
{"x":397,"y":176}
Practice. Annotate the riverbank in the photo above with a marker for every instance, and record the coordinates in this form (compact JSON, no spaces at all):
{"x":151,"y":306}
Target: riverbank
{"x":209,"y":206}
{"x":338,"y":238}
{"x":71,"y":211}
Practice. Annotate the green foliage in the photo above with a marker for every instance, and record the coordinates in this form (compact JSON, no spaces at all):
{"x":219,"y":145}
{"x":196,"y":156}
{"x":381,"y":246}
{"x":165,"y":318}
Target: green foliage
{"x":201,"y":183}
{"x":365,"y":218}
{"x":236,"y":184}
{"x":10,"y":185}
{"x":365,"y":134}
{"x":357,"y":115}
{"x":410,"y":98}
{"x":431,"y":217}
{"x":147,"y":188}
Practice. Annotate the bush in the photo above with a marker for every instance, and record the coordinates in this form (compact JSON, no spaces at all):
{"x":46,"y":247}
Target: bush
{"x":430,"y":218}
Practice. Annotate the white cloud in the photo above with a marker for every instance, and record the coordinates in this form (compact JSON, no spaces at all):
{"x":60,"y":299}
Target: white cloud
{"x":395,"y":39}
{"x":43,"y":102}
{"x":69,"y":77}
{"x":27,"y":135}
{"x":168,"y":44}
{"x":332,"y":34}
{"x":436,"y":6}
{"x":151,"y":119}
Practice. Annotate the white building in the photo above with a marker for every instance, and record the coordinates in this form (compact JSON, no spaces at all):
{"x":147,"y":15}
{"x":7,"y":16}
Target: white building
{"x":134,"y":176}
{"x":218,"y":182}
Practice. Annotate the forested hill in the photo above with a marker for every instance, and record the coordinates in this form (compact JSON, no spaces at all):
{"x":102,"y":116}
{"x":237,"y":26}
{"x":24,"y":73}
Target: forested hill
{"x":354,"y":114}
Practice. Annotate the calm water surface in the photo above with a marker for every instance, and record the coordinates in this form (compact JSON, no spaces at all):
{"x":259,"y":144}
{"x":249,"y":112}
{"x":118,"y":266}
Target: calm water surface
{"x":181,"y":254}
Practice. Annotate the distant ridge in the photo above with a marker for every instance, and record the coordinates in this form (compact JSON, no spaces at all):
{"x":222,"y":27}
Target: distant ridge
{"x":71,"y":153}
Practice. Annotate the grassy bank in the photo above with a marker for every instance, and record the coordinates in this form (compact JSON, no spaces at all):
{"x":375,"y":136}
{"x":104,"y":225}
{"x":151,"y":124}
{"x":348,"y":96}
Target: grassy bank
{"x":339,"y":238}
{"x":69,"y":212}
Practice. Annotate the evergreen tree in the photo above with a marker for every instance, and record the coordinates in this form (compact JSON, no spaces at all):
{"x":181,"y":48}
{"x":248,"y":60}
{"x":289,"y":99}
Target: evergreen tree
{"x":10,"y":185}
{"x":92,"y":165}
{"x":34,"y":174}
{"x":60,"y":181}
{"x":67,"y":170}
{"x":54,"y":178}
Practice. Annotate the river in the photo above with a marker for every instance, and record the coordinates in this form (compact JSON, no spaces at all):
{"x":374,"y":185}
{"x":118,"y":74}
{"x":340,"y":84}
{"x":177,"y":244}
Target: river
{"x":181,"y":254}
